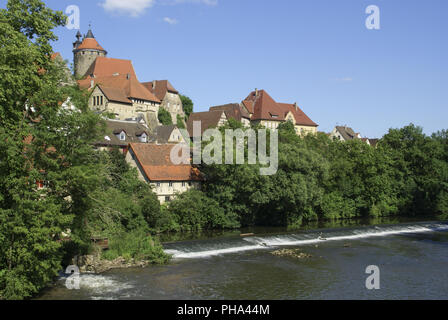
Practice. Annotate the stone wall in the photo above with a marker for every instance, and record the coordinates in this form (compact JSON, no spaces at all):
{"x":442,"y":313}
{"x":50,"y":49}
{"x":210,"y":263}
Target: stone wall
{"x":125,"y":111}
{"x":84,"y":59}
{"x":173,"y":104}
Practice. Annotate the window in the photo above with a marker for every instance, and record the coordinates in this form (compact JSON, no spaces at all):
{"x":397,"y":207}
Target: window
{"x":158,"y":184}
{"x":167,"y":199}
{"x":171,"y":184}
{"x":143,"y":138}
{"x":122,"y":136}
{"x":183,"y":184}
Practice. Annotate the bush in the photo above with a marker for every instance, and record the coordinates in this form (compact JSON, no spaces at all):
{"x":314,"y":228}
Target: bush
{"x":180,"y":122}
{"x":194,"y":211}
{"x":135,"y":245}
{"x":165,"y":117}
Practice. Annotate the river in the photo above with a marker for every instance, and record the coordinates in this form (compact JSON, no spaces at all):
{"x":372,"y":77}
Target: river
{"x":412,"y":258}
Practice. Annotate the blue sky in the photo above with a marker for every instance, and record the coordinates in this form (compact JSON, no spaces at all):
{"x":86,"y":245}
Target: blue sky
{"x":318,"y":53}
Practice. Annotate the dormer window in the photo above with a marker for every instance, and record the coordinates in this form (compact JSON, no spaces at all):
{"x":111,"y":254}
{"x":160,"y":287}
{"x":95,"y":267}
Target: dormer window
{"x":122,"y":136}
{"x":144,"y":138}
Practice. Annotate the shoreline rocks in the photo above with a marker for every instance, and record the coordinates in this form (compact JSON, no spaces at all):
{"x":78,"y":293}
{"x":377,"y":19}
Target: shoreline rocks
{"x":291,"y":253}
{"x":94,"y":264}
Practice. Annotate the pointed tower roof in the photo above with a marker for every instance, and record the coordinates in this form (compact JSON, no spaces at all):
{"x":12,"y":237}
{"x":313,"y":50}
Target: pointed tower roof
{"x":89,"y":34}
{"x":89,"y":43}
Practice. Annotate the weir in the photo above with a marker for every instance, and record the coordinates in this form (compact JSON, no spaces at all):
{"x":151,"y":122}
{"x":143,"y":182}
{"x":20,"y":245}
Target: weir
{"x":209,"y":248}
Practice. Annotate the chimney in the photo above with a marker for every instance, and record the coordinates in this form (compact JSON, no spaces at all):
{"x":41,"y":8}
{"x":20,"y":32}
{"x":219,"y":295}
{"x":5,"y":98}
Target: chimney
{"x":92,"y":84}
{"x":295,"y":105}
{"x":154,"y":84}
{"x":256,"y":92}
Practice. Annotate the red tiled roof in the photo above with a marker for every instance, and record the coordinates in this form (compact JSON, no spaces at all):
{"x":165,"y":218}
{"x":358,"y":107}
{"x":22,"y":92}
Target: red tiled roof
{"x":233,"y":111}
{"x":300,"y":116}
{"x":90,"y":43}
{"x":155,"y":160}
{"x":106,"y":67}
{"x":161,"y":88}
{"x":120,"y":88}
{"x":265,"y":108}
{"x":249,"y":106}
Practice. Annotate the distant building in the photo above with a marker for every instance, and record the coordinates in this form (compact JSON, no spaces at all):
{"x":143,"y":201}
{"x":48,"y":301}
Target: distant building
{"x":344,"y":133}
{"x":85,"y":53}
{"x":260,"y":109}
{"x":210,"y":119}
{"x":167,"y":135}
{"x":120,"y":133}
{"x":265,"y":111}
{"x":374,"y":142}
{"x":155,"y":167}
{"x":234,"y":111}
{"x":169,"y":97}
{"x":113,"y":84}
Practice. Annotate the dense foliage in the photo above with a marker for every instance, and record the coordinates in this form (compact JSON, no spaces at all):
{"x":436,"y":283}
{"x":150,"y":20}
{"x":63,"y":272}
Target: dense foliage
{"x":165,"y":117}
{"x":90,"y":193}
{"x":46,"y":140}
{"x":180,"y":122}
{"x":187,"y":105}
{"x":321,"y":179}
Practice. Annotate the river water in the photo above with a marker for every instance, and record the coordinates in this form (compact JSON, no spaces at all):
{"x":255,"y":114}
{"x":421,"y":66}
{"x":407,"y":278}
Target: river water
{"x":412,"y":258}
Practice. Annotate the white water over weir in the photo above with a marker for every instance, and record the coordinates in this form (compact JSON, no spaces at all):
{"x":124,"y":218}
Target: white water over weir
{"x":204,"y":249}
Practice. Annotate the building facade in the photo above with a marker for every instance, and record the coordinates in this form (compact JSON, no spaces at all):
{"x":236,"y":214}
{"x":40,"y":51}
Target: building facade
{"x":169,"y":97}
{"x":119,"y":134}
{"x":85,"y":53}
{"x":154,"y":166}
{"x":113,"y":84}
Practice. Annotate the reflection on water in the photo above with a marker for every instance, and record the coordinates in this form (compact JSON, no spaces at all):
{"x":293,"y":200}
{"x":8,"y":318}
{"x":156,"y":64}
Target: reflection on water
{"x":412,"y":257}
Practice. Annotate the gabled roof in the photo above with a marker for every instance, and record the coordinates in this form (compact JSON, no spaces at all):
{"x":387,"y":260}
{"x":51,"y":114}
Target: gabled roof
{"x":300,"y":117}
{"x":265,"y":108}
{"x":155,"y":162}
{"x":106,"y":67}
{"x":133,"y":131}
{"x":347,"y":133}
{"x":120,"y":88}
{"x":374,"y":142}
{"x":249,"y":105}
{"x":160,"y":88}
{"x":162,"y":134}
{"x":233,"y":111}
{"x":208,"y":120}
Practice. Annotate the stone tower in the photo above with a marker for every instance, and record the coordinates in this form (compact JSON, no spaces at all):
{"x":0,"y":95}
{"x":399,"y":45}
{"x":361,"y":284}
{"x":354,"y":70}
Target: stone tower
{"x":85,"y":53}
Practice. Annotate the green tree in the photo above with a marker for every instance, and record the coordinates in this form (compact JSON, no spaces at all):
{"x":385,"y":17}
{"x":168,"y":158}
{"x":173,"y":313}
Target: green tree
{"x":180,"y":122}
{"x":165,"y":117}
{"x":187,"y":104}
{"x":39,"y":142}
{"x":195,"y":211}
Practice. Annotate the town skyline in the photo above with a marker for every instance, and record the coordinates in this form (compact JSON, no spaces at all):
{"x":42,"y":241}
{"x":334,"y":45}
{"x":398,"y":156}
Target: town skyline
{"x":372,"y":86}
